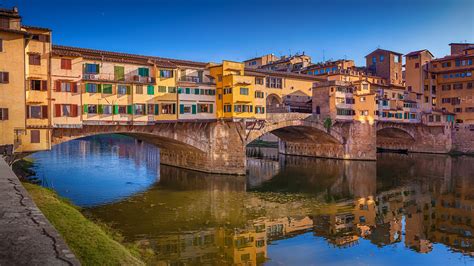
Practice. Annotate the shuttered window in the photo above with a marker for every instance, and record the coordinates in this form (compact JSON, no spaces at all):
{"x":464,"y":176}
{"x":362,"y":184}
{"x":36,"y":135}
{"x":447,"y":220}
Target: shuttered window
{"x":150,"y":90}
{"x":91,"y":68}
{"x":3,"y":113}
{"x":1,"y":45}
{"x":34,"y":59}
{"x":157,"y":108}
{"x":4,"y":77}
{"x":121,"y":89}
{"x":66,"y":63}
{"x":143,"y":72}
{"x":172,"y":89}
{"x":119,"y":73}
{"x":107,"y":88}
{"x":162,"y":88}
{"x":196,"y":91}
{"x":35,"y":136}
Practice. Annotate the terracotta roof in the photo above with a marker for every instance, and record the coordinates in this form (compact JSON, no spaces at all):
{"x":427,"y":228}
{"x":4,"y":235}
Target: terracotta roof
{"x":264,"y":72}
{"x":93,"y":54}
{"x":35,"y":28}
{"x":418,"y":52}
{"x":452,"y":57}
{"x":14,"y":31}
{"x":383,"y":50}
{"x":9,"y":13}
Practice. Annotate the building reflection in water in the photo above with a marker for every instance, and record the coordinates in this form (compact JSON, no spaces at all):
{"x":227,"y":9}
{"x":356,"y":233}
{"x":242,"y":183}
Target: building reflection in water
{"x":191,"y":217}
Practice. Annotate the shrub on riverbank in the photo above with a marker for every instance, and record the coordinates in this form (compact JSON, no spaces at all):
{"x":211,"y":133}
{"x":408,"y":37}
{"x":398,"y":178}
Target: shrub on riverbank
{"x":92,"y":244}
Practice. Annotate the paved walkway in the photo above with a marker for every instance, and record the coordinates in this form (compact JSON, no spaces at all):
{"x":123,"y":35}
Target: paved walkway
{"x":26,"y":236}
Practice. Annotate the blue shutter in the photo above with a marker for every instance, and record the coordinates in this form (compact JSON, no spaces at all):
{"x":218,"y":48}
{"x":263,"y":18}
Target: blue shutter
{"x":193,"y":109}
{"x":181,"y":108}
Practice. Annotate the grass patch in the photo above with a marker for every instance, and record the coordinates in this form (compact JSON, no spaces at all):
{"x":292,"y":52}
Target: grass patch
{"x":93,"y":243}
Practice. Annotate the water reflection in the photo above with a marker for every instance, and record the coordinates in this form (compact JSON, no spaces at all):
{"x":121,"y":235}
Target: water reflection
{"x":297,"y":210}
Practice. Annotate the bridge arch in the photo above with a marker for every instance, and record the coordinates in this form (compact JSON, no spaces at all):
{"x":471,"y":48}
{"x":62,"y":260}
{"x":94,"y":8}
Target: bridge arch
{"x":297,"y":129}
{"x":395,"y":137}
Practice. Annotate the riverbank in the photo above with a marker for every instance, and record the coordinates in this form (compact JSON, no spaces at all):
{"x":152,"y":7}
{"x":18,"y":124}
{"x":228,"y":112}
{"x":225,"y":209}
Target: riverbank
{"x":92,"y":242}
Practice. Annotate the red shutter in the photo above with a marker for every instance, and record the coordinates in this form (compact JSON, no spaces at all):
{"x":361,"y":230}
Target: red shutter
{"x":27,"y":111}
{"x":74,"y":110}
{"x":74,"y":87}
{"x":58,"y":85}
{"x":4,"y":114}
{"x":44,"y":85}
{"x":5,"y":77}
{"x":44,"y":111}
{"x":57,"y":110}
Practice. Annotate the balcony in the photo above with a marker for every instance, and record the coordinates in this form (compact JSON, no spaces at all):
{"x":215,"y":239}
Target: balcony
{"x":190,"y":79}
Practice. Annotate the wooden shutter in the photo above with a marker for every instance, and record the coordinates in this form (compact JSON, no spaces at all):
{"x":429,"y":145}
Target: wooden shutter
{"x":100,"y":109}
{"x":193,"y":108}
{"x":58,"y":85}
{"x":44,"y":85}
{"x":74,"y":87}
{"x":35,"y":136}
{"x":74,"y":110}
{"x":211,"y":107}
{"x":85,"y":109}
{"x":6,"y":77}
{"x":129,"y":90}
{"x":28,"y":111}
{"x":129,"y":109}
{"x":157,"y":108}
{"x":181,"y":108}
{"x":116,"y":109}
{"x":44,"y":111}
{"x":4,"y":114}
{"x":57,"y":110}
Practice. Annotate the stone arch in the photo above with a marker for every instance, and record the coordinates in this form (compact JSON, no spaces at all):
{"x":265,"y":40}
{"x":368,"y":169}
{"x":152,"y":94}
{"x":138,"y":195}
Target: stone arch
{"x":273,"y":101}
{"x":294,"y":128}
{"x":179,"y":136}
{"x":395,"y":127}
{"x":394,"y":138}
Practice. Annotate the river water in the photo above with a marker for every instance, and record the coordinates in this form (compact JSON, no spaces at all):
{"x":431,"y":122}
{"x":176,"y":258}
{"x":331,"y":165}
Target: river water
{"x":402,"y":209}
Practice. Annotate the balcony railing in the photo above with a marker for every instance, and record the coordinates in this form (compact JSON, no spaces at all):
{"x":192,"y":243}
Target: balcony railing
{"x":113,"y":78}
{"x":190,"y":79}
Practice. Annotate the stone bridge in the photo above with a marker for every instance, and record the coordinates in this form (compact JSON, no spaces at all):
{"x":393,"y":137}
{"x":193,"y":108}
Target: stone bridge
{"x":219,"y":146}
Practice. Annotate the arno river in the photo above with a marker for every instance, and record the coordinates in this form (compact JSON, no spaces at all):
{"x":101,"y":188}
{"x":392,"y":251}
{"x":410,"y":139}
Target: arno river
{"x":402,"y":209}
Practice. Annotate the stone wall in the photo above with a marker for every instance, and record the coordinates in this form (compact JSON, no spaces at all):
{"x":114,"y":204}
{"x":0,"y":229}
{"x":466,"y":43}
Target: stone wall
{"x":463,"y":139}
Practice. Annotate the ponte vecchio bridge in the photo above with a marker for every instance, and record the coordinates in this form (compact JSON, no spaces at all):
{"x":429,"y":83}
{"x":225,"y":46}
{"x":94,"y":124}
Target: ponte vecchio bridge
{"x":219,"y":146}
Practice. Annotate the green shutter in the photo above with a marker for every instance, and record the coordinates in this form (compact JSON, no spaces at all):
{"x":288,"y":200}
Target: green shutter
{"x":107,"y":88}
{"x":119,"y":73}
{"x":129,"y":109}
{"x":97,"y":68}
{"x":129,"y":90}
{"x":88,"y":87}
{"x":150,"y":90}
{"x":188,"y":90}
{"x":99,"y":88}
{"x":196,"y":91}
{"x":100,"y":109}
{"x":157,"y":108}
{"x":193,"y":109}
{"x":161,"y":73}
{"x":211,"y":108}
{"x":180,"y":90}
{"x":181,"y":108}
{"x":85,"y":109}
{"x":116,"y":108}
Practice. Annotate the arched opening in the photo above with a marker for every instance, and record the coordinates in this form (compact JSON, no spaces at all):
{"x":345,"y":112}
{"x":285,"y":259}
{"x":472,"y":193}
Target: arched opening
{"x":274,"y":103}
{"x":394,"y":139}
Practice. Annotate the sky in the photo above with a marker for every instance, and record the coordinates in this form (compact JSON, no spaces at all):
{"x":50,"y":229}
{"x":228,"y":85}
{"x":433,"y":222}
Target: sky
{"x":212,"y":30}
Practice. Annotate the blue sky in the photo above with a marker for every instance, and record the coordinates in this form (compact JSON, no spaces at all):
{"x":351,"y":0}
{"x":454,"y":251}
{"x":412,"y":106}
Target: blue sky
{"x":241,"y":29}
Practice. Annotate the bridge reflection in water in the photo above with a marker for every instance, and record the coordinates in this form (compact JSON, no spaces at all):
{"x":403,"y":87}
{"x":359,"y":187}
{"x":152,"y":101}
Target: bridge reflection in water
{"x":392,"y":209}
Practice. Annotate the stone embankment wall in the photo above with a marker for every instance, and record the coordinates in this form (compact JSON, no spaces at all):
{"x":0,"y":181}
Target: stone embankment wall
{"x":463,"y":139}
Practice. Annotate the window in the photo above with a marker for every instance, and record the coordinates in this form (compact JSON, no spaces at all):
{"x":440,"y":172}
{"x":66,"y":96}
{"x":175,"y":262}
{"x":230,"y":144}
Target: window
{"x":1,"y":45}
{"x":122,"y":89}
{"x":66,"y":63}
{"x":37,"y":111}
{"x":161,"y":88}
{"x":40,"y":37}
{"x":91,"y":88}
{"x":259,"y":94}
{"x":171,"y":89}
{"x":344,"y":111}
{"x":196,"y":91}
{"x":469,"y":85}
{"x":65,"y":86}
{"x":91,"y":68}
{"x":139,"y":109}
{"x":274,"y":82}
{"x":382,"y":58}
{"x":168,"y":108}
{"x":446,"y":64}
{"x":259,"y":81}
{"x":4,"y":23}
{"x":150,"y":90}
{"x":105,"y":109}
{"x":4,"y":77}
{"x":119,"y":73}
{"x":244,"y":91}
{"x":34,"y":59}
{"x":66,"y":110}
{"x":139,"y":89}
{"x":457,"y":86}
{"x":362,"y":99}
{"x":446,"y":87}
{"x":166,"y":73}
{"x":227,"y":108}
{"x":91,"y":108}
{"x":204,"y":108}
{"x":143,"y":72}
{"x":219,"y":78}
{"x":187,"y":109}
{"x":417,"y":65}
{"x":107,"y":88}
{"x":259,"y":109}
{"x":227,"y":90}
{"x":150,"y":109}
{"x":35,"y":136}
{"x":364,"y":113}
{"x":3,"y":114}
{"x":396,"y":59}
{"x":38,"y":85}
